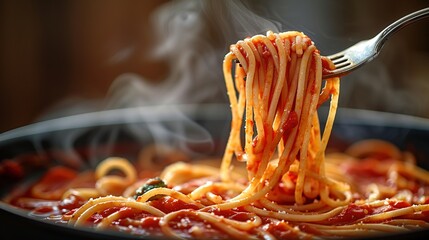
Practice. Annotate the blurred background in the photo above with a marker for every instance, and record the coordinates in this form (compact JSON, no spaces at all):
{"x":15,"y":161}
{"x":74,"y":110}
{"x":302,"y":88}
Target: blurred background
{"x":65,"y":57}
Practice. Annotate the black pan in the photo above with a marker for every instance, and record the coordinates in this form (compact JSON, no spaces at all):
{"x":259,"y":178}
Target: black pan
{"x":81,"y":141}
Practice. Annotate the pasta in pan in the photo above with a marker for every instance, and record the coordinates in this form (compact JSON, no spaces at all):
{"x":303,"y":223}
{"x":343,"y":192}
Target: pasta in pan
{"x":275,"y":179}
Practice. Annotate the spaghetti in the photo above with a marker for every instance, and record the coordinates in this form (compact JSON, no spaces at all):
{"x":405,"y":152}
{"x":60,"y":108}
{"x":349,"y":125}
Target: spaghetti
{"x":275,"y":180}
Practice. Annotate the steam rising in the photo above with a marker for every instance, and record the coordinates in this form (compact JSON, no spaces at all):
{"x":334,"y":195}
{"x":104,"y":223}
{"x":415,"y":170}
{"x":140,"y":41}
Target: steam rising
{"x":192,"y":40}
{"x":192,"y":37}
{"x":192,"y":63}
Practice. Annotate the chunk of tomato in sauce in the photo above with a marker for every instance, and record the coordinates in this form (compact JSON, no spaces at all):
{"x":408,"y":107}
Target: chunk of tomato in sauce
{"x":282,"y":230}
{"x":51,"y":185}
{"x":169,"y":204}
{"x":351,"y":214}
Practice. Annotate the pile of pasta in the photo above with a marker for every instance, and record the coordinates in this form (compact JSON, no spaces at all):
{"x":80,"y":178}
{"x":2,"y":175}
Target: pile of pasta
{"x":275,"y":180}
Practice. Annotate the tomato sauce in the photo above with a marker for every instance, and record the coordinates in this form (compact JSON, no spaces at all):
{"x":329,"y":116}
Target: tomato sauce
{"x":351,"y":214}
{"x":168,"y":204}
{"x":281,"y":230}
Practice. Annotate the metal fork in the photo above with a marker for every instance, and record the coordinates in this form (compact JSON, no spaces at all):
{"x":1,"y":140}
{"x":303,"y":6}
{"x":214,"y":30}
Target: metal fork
{"x":366,"y":50}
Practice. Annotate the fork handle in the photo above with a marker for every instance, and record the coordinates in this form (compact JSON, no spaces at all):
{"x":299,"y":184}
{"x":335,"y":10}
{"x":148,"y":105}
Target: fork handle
{"x":399,"y":24}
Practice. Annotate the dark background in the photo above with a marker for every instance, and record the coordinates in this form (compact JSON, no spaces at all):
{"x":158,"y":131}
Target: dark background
{"x":55,"y":50}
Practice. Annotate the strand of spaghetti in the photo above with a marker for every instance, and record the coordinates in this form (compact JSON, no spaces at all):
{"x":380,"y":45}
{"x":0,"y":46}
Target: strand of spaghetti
{"x":330,"y":182}
{"x":99,"y":207}
{"x":261,"y":74}
{"x":234,"y":144}
{"x":409,"y":223}
{"x":199,"y":192}
{"x":93,"y":202}
{"x":354,"y":227}
{"x":311,"y":184}
{"x":262,"y":93}
{"x":360,"y":233}
{"x":249,"y":97}
{"x":292,"y":66}
{"x":210,"y":218}
{"x":264,"y":86}
{"x":113,"y":184}
{"x":242,"y":200}
{"x":298,"y":46}
{"x":311,"y":187}
{"x":309,"y":217}
{"x":247,"y":197}
{"x":258,"y":81}
{"x":310,"y":104}
{"x":267,"y":88}
{"x":376,"y":203}
{"x":241,"y":225}
{"x":84,"y":193}
{"x":325,"y":192}
{"x":335,"y":93}
{"x":169,"y":192}
{"x":364,"y":231}
{"x":286,"y":88}
{"x":164,"y":223}
{"x":219,"y":222}
{"x":396,"y":213}
{"x":214,"y":198}
{"x":266,"y":235}
{"x":324,"y":189}
{"x":240,"y":85}
{"x":314,"y":206}
{"x":124,"y":212}
{"x":265,"y":40}
{"x":295,"y":233}
{"x":236,"y":118}
{"x":241,"y":88}
{"x":299,"y":187}
{"x":108,"y":220}
{"x":239,"y":55}
{"x":316,"y":143}
{"x":302,"y":72}
{"x":116,"y":163}
{"x":255,"y":181}
{"x":333,"y":173}
{"x":181,"y":172}
{"x":282,"y":50}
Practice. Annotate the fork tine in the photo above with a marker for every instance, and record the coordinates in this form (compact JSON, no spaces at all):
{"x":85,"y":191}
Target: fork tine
{"x":343,"y":64}
{"x":335,"y":56}
{"x":340,"y":60}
